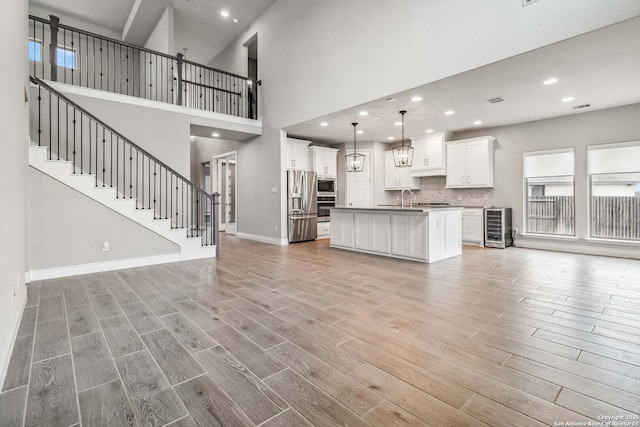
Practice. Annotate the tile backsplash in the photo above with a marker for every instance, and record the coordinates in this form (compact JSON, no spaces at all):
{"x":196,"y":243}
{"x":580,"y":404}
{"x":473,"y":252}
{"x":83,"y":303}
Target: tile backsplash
{"x":432,"y":189}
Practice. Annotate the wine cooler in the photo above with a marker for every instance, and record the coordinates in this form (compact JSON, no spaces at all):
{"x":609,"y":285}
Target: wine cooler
{"x":497,"y":227}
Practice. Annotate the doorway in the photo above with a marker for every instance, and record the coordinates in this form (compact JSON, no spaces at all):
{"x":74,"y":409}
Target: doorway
{"x":226,"y":186}
{"x":360,"y":184}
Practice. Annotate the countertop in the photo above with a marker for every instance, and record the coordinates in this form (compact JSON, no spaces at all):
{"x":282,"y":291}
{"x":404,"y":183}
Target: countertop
{"x":393,"y":208}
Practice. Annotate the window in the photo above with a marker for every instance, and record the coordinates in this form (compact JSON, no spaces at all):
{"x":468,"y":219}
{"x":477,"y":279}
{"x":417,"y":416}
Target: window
{"x":614,"y":191}
{"x":35,"y":50}
{"x":66,"y":56}
{"x":549,"y":188}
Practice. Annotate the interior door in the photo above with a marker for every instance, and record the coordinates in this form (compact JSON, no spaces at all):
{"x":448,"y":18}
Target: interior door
{"x":227,"y":188}
{"x":360,"y":184}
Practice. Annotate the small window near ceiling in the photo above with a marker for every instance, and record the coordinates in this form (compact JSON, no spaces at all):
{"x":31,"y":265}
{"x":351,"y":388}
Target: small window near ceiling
{"x":35,"y":50}
{"x":614,"y":187}
{"x":66,"y":57}
{"x":549,"y":192}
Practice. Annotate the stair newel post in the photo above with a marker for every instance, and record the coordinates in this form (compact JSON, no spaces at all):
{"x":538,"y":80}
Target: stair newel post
{"x":53,"y":46}
{"x":179,"y":62}
{"x":215,"y":203}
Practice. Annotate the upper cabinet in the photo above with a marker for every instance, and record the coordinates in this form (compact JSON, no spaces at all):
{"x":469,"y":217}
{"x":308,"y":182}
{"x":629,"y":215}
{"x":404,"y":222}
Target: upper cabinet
{"x":297,"y":154}
{"x":470,"y":162}
{"x":397,"y":178}
{"x":429,"y":155}
{"x":324,"y":161}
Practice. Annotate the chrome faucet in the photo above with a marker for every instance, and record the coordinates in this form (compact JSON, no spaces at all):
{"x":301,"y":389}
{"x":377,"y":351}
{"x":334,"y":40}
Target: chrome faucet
{"x":411,"y":197}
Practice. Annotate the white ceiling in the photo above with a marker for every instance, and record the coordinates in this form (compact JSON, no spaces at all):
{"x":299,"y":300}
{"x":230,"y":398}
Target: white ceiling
{"x":601,"y":68}
{"x":199,"y":27}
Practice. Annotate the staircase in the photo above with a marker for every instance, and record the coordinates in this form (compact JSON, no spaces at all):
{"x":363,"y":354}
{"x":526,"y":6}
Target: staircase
{"x":79,"y":150}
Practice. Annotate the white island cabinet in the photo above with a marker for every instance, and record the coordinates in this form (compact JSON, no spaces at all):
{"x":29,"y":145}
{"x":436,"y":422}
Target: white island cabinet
{"x":425,"y":235}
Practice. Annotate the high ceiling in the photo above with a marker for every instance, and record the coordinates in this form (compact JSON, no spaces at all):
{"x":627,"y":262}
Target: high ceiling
{"x":199,"y":27}
{"x":600,"y":68}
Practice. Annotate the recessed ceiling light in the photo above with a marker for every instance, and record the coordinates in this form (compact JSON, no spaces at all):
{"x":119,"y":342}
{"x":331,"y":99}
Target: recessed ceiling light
{"x":390,"y":138}
{"x":416,"y":98}
{"x":398,"y":123}
{"x":324,"y":124}
{"x":360,"y":132}
{"x":429,"y":131}
{"x":477,"y":122}
{"x":568,"y":99}
{"x":215,"y":135}
{"x":550,"y":81}
{"x":224,"y":13}
{"x":236,"y":20}
{"x":449,"y":112}
{"x":364,"y":113}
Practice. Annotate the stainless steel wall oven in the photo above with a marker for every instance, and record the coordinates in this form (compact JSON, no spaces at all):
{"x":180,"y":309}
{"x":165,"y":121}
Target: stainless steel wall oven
{"x":324,"y":204}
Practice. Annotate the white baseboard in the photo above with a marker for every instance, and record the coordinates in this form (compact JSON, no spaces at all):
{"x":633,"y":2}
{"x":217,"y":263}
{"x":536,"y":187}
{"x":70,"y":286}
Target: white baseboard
{"x":16,"y":327}
{"x":97,"y":267}
{"x":579,"y":248}
{"x":263,"y":239}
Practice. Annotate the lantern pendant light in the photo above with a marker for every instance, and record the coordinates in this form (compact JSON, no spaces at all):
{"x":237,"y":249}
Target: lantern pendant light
{"x":402,"y":154}
{"x":354,"y":161}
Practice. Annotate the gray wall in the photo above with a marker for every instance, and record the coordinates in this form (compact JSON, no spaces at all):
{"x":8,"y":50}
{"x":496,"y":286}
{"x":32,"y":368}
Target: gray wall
{"x":13,"y":171}
{"x":577,"y":131}
{"x":67,"y":228}
{"x":316,"y":58}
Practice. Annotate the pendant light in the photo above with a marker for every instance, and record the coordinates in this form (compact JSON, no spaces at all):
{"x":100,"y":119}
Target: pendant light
{"x":402,"y":154}
{"x":354,"y":161}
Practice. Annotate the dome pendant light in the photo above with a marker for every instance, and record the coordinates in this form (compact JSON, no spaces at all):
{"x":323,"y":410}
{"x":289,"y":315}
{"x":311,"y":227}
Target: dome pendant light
{"x":354,"y":161}
{"x":402,"y":154}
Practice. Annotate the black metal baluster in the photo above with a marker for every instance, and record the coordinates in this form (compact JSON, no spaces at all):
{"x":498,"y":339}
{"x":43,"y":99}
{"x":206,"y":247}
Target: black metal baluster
{"x":117,"y":166}
{"x":101,"y":67}
{"x":131,"y":174}
{"x":111,"y":161}
{"x":182,"y":202}
{"x":104,"y":143}
{"x":142,"y":181}
{"x":96,"y":168}
{"x":149,"y":183}
{"x":66,"y":131}
{"x":177,"y":202}
{"x":167,"y":188}
{"x":39,"y":116}
{"x":81,"y":150}
{"x":137,"y":188}
{"x":154,"y":188}
{"x":58,"y":126}
{"x":50,"y":126}
{"x":74,"y":144}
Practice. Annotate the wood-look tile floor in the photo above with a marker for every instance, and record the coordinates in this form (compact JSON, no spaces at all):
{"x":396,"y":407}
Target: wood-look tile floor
{"x":307,"y":335}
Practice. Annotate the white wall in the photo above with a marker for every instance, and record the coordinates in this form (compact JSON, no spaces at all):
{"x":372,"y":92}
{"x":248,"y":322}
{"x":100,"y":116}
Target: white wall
{"x":316,"y":58}
{"x":161,"y":38}
{"x":67,"y":228}
{"x":73,"y":22}
{"x":13,"y":171}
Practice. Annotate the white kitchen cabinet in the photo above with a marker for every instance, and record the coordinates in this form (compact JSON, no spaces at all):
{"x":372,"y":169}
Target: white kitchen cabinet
{"x":324,"y":230}
{"x":472,"y":226}
{"x":371,"y":232}
{"x":429,"y":155}
{"x":297,"y":154}
{"x":410,"y":236}
{"x":324,"y":161}
{"x":397,"y":178}
{"x":470,"y":162}
{"x":342,"y":228}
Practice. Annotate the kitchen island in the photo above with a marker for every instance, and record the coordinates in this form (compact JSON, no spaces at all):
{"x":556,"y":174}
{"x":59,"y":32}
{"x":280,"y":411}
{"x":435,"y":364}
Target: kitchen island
{"x":417,"y":234}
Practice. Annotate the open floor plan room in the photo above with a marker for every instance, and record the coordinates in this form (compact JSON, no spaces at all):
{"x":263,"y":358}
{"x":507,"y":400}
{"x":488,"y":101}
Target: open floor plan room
{"x":305,"y":335}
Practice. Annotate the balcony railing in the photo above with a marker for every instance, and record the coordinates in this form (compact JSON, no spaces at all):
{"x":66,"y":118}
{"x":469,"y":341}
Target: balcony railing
{"x":86,"y":59}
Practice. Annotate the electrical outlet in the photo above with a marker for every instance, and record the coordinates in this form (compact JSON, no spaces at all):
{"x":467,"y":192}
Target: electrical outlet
{"x":515,"y":230}
{"x":459,"y":197}
{"x":275,"y":228}
{"x":15,"y":289}
{"x":105,"y":246}
{"x":274,"y":189}
{"x":486,"y":196}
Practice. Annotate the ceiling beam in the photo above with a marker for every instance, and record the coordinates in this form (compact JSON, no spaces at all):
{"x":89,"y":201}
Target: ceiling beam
{"x":142,"y":20}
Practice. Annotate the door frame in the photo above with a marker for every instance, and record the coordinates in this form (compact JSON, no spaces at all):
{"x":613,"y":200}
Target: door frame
{"x":231,"y":156}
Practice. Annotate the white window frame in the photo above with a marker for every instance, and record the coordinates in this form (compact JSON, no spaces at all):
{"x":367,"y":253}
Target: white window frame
{"x":590,"y":237}
{"x":525,"y":194}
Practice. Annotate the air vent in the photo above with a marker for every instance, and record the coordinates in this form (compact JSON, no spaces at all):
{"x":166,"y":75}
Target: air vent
{"x":528,"y":2}
{"x":495,"y":100}
{"x":578,"y":107}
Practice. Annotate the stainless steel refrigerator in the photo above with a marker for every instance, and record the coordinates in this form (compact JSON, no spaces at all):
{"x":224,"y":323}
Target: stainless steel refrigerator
{"x":302,"y":193}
